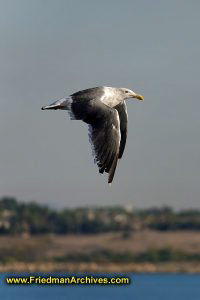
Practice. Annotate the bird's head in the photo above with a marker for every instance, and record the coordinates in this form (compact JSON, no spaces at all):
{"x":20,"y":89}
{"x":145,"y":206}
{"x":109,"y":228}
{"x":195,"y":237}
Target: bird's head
{"x":130,"y":94}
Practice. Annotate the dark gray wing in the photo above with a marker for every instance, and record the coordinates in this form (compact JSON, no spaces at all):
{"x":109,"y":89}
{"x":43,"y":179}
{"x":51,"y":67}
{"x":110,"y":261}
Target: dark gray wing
{"x":105,"y":139}
{"x":104,"y":133}
{"x":123,"y":116}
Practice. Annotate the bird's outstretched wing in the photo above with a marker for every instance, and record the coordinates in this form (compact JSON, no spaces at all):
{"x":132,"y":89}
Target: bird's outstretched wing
{"x":104,"y":133}
{"x":123,"y":116}
{"x":105,"y":139}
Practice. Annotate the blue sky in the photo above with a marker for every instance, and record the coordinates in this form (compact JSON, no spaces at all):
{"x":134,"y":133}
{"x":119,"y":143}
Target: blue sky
{"x":50,"y":49}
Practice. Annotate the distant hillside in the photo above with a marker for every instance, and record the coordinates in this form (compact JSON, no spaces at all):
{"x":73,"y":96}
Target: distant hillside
{"x":32,"y":218}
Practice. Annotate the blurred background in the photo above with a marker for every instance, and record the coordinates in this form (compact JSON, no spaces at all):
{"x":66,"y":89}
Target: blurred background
{"x":51,"y":193}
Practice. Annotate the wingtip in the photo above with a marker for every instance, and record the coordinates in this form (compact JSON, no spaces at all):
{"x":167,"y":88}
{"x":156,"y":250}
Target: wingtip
{"x":112,"y":170}
{"x":110,"y":179}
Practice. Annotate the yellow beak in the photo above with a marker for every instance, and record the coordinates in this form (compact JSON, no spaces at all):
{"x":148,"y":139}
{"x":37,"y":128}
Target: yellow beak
{"x":139,"y":97}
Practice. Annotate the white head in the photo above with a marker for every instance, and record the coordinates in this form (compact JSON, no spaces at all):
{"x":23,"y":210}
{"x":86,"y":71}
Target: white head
{"x":126,"y":93}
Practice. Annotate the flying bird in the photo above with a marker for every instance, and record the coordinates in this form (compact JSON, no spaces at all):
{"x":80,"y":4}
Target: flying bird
{"x":104,"y":110}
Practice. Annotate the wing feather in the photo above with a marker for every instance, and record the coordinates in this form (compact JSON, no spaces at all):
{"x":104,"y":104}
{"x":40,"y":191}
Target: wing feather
{"x":123,"y":116}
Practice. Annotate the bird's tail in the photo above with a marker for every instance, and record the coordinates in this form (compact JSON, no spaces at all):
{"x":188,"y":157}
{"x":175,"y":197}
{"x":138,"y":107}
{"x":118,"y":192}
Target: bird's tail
{"x":64,"y":103}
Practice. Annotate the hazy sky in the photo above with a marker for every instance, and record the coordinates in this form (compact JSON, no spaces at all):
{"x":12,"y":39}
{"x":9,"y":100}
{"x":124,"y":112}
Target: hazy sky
{"x":50,"y":49}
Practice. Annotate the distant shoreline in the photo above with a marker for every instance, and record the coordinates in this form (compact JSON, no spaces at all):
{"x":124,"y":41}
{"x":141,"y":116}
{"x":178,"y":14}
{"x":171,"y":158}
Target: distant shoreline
{"x":168,"y":267}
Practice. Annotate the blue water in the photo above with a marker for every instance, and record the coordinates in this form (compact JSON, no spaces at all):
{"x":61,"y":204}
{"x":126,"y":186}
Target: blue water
{"x":143,"y":286}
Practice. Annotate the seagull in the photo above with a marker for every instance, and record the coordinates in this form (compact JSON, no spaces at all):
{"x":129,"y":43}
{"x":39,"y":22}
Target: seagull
{"x":104,"y":110}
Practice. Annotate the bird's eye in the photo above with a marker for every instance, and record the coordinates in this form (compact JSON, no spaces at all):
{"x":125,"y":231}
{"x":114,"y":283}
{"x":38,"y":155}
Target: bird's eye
{"x":126,"y":91}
